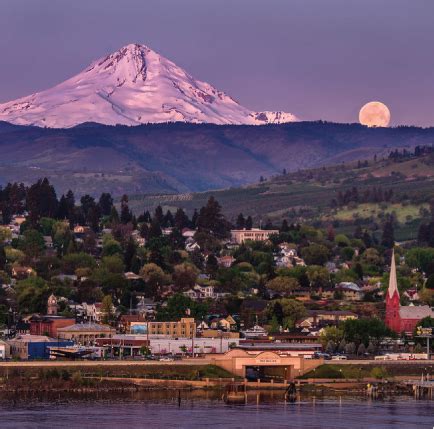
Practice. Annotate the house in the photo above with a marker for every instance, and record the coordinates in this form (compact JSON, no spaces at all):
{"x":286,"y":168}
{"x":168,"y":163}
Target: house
{"x":350,"y":291}
{"x":80,"y":230}
{"x":5,"y":350}
{"x":316,"y":318}
{"x":188,"y":233}
{"x":239,"y":236}
{"x":21,"y":273}
{"x":132,"y":276}
{"x":48,"y":241}
{"x":411,"y":295}
{"x":225,"y":261}
{"x":146,"y":307}
{"x":167,"y":231}
{"x":93,"y":312}
{"x":225,"y":324}
{"x":139,"y":240}
{"x":402,"y":318}
{"x":191,"y":245}
{"x":204,"y":292}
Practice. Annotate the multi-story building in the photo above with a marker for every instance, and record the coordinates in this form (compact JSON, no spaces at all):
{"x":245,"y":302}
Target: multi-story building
{"x":85,"y":333}
{"x":185,"y":328}
{"x":241,"y":235}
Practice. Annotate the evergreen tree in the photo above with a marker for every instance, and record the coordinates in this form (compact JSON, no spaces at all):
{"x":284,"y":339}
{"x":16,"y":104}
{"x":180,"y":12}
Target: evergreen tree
{"x":114,"y":216}
{"x":388,"y":237}
{"x":211,"y":219}
{"x":105,"y":203}
{"x":181,"y":220}
{"x":194,"y":219}
{"x":158,"y":215}
{"x":241,"y":222}
{"x":126,"y":215}
{"x":168,"y":221}
{"x":249,"y":223}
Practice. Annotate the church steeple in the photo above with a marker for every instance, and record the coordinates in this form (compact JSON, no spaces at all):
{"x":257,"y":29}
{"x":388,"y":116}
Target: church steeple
{"x":393,"y":283}
{"x":393,"y":318}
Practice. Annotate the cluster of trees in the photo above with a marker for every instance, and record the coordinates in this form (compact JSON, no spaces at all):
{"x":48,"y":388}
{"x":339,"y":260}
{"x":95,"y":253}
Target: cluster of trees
{"x":376,"y":194}
{"x":405,"y":153}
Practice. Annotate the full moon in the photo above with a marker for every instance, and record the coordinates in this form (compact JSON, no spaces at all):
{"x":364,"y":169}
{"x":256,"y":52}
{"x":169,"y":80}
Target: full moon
{"x":374,"y":114}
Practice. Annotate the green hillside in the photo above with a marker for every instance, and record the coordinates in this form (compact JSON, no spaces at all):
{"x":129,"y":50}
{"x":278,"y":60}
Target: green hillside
{"x":312,"y":196}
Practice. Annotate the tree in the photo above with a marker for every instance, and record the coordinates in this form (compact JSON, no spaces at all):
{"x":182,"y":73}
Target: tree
{"x":2,"y":258}
{"x":181,"y":219}
{"x":179,"y":306}
{"x":211,"y":219}
{"x":330,"y":347}
{"x":5,"y":234}
{"x":41,"y":201}
{"x":241,"y":222}
{"x":107,"y":309}
{"x":292,"y":309}
{"x":350,"y":348}
{"x":211,"y":264}
{"x":74,"y":261}
{"x":283,"y":285}
{"x":32,"y":295}
{"x":331,"y":334}
{"x":249,"y":223}
{"x":365,"y":330}
{"x":315,"y":254}
{"x":420,"y":258}
{"x":32,"y":243}
{"x":126,"y":215}
{"x":105,"y":204}
{"x":319,"y":277}
{"x":154,"y":277}
{"x":388,"y":237}
{"x":185,"y":276}
{"x":110,"y":246}
{"x":274,"y":326}
{"x":361,"y":350}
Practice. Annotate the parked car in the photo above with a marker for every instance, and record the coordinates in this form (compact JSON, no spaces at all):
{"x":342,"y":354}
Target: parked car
{"x":166,"y":359}
{"x":339,"y":357}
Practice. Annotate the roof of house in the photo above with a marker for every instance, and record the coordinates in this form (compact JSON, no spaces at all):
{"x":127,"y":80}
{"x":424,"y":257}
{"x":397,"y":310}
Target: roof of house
{"x":415,"y":312}
{"x":84,"y":327}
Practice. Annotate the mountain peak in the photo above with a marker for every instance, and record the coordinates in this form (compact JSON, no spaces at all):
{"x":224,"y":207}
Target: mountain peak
{"x":133,"y":85}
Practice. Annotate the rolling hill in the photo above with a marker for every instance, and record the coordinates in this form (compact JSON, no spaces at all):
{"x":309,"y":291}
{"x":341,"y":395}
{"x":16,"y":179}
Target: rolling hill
{"x":179,"y":158}
{"x":318,"y":196}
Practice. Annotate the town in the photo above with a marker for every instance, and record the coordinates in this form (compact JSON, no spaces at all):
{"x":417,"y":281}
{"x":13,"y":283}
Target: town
{"x":89,"y":279}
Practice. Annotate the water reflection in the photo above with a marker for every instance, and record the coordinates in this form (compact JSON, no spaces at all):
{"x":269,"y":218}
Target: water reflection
{"x":198,"y":409}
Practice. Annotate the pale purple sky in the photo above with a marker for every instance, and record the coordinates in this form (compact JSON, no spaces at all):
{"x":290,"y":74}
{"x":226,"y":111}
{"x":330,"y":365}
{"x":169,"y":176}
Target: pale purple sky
{"x":319,"y":59}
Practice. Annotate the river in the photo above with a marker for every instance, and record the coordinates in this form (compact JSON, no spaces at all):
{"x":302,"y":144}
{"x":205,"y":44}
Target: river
{"x":161,"y":410}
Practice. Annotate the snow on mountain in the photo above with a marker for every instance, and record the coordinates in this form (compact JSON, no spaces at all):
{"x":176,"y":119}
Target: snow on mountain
{"x":132,"y":86}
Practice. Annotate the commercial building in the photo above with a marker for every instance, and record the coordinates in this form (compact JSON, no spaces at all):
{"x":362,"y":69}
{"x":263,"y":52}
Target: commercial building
{"x":123,"y":345}
{"x":49,"y":325}
{"x":162,"y":346}
{"x":263,"y":364}
{"x":241,"y":235}
{"x":85,"y":334}
{"x":34,"y":346}
{"x":185,"y":328}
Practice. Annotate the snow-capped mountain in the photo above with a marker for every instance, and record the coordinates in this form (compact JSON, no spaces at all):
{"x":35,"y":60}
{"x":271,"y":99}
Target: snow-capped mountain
{"x":132,"y":86}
